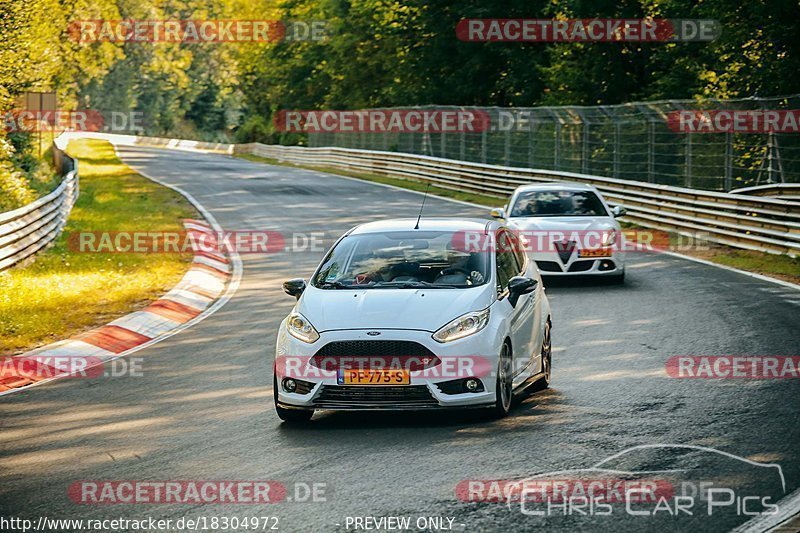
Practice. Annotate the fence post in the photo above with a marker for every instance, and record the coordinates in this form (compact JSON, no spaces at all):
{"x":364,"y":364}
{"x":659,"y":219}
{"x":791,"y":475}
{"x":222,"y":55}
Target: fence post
{"x":531,"y":157}
{"x":688,"y":160}
{"x":651,"y":147}
{"x":483,"y":146}
{"x":728,"y":183}
{"x":462,"y":149}
{"x":557,"y":147}
{"x":771,"y":170}
{"x":585,"y":146}
{"x":507,"y":147}
{"x":616,"y":149}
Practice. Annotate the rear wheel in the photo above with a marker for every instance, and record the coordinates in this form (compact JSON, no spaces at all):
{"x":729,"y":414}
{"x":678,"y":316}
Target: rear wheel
{"x":547,"y":359}
{"x":289,"y":415}
{"x":503,"y":385}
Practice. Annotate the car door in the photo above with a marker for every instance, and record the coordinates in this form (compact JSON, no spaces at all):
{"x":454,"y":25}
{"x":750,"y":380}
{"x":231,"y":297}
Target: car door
{"x":522,"y":315}
{"x":529,"y":270}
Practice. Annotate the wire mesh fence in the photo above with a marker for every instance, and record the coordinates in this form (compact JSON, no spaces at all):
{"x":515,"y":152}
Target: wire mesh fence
{"x":632,"y":141}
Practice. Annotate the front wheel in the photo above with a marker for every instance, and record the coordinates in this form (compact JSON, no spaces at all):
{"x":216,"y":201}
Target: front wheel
{"x":289,"y":415}
{"x":503,"y":385}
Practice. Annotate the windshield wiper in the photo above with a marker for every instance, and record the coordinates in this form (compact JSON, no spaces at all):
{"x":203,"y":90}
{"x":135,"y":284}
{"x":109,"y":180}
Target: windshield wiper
{"x":416,"y":285}
{"x":332,"y":285}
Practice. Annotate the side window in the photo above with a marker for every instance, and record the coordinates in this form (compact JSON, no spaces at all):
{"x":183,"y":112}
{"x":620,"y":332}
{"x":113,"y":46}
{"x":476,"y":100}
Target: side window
{"x":518,"y":249}
{"x":506,"y":262}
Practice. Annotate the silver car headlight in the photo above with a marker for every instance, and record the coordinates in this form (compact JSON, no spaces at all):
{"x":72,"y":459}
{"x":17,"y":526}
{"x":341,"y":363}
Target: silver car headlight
{"x":609,"y":238}
{"x":300,"y":328}
{"x":463,"y":326}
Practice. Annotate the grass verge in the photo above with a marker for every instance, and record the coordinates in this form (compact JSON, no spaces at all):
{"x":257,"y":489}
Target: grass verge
{"x":777,"y":266}
{"x":63,"y":292}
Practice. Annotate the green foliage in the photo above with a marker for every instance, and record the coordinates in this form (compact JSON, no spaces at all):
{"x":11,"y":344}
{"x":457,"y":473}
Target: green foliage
{"x":381,"y":53}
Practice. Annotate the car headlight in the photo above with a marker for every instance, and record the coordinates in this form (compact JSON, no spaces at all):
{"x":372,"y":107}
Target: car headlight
{"x":463,"y":326}
{"x":300,"y":328}
{"x":609,"y":238}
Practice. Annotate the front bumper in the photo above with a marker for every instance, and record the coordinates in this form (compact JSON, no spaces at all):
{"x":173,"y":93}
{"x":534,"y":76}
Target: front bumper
{"x":551,"y":264}
{"x":464,"y":358}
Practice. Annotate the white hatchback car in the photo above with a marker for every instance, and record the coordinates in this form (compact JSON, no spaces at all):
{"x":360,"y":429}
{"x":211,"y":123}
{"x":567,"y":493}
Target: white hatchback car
{"x":568,"y":229}
{"x":405,"y":317}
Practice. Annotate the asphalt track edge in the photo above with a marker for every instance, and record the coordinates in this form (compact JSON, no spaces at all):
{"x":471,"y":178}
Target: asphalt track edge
{"x":231,"y":287}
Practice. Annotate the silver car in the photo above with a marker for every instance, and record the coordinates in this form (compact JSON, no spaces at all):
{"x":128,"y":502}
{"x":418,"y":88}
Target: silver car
{"x":568,"y":229}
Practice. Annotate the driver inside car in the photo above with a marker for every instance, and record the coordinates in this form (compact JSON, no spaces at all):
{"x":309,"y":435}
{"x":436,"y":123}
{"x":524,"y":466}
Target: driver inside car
{"x":462,"y":269}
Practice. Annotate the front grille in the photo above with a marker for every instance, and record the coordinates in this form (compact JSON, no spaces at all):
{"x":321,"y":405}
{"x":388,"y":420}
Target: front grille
{"x":581,"y":266}
{"x":564,"y":249}
{"x":548,"y":266}
{"x":374,"y":348}
{"x":411,"y":355}
{"x":354,"y":397}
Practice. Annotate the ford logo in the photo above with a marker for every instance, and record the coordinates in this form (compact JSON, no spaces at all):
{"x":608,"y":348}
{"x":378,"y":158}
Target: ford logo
{"x":373,"y":333}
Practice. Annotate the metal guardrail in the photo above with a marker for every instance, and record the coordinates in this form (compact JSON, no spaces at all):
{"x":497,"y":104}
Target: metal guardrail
{"x":784,"y":191}
{"x":738,"y":220}
{"x":26,"y":230}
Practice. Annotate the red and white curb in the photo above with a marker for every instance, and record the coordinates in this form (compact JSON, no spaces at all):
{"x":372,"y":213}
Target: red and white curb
{"x":200,"y":292}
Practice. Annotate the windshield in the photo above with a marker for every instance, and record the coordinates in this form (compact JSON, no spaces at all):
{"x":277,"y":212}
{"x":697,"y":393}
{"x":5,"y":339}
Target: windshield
{"x":404,"y":260}
{"x":558,"y":204}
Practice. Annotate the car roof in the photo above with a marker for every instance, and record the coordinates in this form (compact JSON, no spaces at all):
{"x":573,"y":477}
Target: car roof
{"x":426,"y":224}
{"x":557,"y":186}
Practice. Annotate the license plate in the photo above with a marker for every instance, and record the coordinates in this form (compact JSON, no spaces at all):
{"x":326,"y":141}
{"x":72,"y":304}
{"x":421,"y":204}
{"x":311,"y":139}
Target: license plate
{"x":373,"y":377}
{"x":595,"y":252}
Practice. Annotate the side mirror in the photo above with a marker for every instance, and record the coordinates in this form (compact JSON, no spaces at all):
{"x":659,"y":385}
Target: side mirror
{"x":519,"y":285}
{"x":498,"y":212}
{"x":618,"y":211}
{"x":294,"y":287}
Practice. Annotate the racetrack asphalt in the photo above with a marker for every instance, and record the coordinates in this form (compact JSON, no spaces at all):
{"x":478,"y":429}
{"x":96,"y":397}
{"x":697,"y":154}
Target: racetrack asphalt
{"x":202,"y":408}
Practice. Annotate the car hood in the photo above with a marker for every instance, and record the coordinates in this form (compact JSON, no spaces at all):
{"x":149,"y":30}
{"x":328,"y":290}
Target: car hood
{"x":420,"y":309}
{"x":563,"y":223}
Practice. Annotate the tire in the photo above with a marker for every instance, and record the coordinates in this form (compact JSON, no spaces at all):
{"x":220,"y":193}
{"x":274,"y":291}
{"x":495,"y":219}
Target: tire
{"x":619,"y":279}
{"x":289,"y":415}
{"x":547,"y":360}
{"x":503,"y":385}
